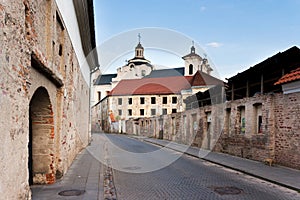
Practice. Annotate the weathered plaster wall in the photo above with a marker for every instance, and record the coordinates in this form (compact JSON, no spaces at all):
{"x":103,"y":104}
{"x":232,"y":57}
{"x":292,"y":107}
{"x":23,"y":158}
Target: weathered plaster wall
{"x":36,"y":52}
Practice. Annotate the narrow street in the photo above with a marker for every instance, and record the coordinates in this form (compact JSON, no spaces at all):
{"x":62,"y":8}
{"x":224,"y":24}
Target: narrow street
{"x":185,"y":178}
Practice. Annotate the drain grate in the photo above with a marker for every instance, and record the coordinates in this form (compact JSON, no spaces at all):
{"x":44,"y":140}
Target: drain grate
{"x":71,"y":193}
{"x":228,"y":190}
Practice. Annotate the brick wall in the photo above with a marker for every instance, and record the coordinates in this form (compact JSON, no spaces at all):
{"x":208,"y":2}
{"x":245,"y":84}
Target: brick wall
{"x":287,"y":130}
{"x":271,"y":128}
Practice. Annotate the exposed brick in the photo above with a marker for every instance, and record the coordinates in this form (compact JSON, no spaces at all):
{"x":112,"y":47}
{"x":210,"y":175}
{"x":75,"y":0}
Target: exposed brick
{"x":279,"y":139}
{"x":29,"y":62}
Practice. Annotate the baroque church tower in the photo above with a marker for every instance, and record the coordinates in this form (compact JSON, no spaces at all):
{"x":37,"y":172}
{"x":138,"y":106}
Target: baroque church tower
{"x":135,"y":68}
{"x":194,"y":62}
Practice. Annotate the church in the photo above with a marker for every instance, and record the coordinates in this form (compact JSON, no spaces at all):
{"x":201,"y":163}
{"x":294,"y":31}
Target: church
{"x":140,"y":90}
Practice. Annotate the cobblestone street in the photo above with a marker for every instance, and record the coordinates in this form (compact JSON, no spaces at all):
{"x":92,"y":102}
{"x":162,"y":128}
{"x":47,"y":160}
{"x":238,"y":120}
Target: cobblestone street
{"x":190,"y":178}
{"x":113,"y":167}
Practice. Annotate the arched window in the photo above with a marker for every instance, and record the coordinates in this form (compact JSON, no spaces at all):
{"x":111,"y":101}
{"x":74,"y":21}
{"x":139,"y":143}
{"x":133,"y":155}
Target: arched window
{"x":191,"y":69}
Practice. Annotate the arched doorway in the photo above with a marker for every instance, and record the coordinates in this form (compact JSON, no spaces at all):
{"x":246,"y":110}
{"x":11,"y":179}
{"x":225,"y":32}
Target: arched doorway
{"x":41,"y":163}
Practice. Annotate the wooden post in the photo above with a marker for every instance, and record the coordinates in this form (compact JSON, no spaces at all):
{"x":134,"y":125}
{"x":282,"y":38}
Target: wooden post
{"x":262,"y":84}
{"x":232,"y":92}
{"x":247,"y":89}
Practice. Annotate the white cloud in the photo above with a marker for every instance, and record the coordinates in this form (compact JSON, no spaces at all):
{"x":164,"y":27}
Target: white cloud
{"x":214,"y":44}
{"x":202,"y":8}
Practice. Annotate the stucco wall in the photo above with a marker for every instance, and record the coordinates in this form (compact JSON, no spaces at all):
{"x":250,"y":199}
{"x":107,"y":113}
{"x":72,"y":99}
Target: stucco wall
{"x":31,"y":58}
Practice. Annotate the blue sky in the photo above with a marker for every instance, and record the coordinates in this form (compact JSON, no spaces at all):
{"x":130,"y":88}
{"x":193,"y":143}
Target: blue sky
{"x":235,"y":34}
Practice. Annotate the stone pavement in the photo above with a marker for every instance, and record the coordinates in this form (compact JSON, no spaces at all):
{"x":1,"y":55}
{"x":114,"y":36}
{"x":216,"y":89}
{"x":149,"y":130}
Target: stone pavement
{"x":283,"y":176}
{"x":88,"y":174}
{"x":85,"y":174}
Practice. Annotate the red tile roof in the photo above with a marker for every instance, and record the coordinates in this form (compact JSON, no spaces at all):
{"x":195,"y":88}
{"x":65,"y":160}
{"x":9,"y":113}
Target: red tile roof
{"x":290,"y":77}
{"x":202,"y":79}
{"x":170,"y":85}
{"x":163,"y":85}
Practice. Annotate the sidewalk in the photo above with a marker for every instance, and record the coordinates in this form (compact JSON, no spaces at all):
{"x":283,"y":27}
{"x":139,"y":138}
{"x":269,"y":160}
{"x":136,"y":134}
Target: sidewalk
{"x":85,"y":174}
{"x":283,"y":176}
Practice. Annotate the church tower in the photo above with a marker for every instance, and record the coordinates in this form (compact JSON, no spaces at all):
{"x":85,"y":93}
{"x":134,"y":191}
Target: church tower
{"x":135,"y":68}
{"x":139,"y":49}
{"x":193,"y":63}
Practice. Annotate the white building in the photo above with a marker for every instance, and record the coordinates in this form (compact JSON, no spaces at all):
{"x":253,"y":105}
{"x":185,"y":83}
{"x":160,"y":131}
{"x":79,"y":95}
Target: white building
{"x":139,"y":90}
{"x":139,"y":67}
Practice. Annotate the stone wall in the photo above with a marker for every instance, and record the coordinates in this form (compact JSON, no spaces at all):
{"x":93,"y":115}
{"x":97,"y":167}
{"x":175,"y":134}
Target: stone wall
{"x":44,"y":97}
{"x":287,"y":130}
{"x":263,"y":126}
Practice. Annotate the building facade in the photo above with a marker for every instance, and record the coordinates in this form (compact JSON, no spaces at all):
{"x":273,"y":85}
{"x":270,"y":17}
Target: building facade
{"x":149,"y":97}
{"x":135,"y":68}
{"x":44,"y":86}
{"x":139,"y":67}
{"x":139,"y":90}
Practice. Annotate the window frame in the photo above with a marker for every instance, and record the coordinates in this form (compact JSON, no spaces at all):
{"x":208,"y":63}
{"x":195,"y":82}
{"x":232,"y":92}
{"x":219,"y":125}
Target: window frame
{"x":153,"y":112}
{"x":166,"y":111}
{"x":153,"y":100}
{"x":164,"y":100}
{"x":120,"y":112}
{"x":129,"y":111}
{"x":130,"y":101}
{"x":120,"y":101}
{"x":142,"y":112}
{"x":174,"y":100}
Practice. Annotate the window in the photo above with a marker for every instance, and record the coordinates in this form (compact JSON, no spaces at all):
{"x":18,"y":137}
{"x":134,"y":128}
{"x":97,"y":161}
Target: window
{"x":174,"y":100}
{"x":191,"y":69}
{"x":153,"y":100}
{"x":165,"y":100}
{"x":174,"y":110}
{"x":119,"y":101}
{"x":259,"y":124}
{"x":228,"y":120}
{"x":208,"y":117}
{"x":143,"y":72}
{"x":142,"y":100}
{"x":142,"y":112}
{"x":60,"y":50}
{"x":129,"y":112}
{"x":129,"y":101}
{"x":164,"y":111}
{"x":120,"y":112}
{"x":184,"y":125}
{"x":242,"y":119}
{"x":153,"y":112}
{"x":258,"y":117}
{"x":99,"y":95}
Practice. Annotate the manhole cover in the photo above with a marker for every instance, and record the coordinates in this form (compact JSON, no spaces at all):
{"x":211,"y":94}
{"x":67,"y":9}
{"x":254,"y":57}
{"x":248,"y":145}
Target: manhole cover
{"x":228,"y":190}
{"x":71,"y":192}
{"x":132,"y":168}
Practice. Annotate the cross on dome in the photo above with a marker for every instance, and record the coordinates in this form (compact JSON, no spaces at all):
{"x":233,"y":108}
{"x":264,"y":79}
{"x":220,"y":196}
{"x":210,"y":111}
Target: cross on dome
{"x":139,"y":36}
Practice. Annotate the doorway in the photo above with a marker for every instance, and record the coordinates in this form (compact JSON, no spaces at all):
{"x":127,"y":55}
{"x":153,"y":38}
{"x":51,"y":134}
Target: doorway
{"x":41,"y":162}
